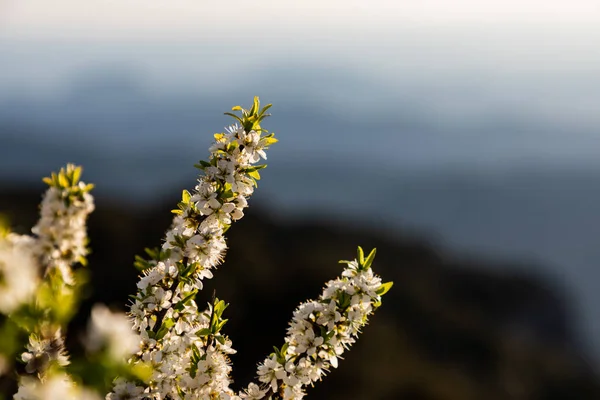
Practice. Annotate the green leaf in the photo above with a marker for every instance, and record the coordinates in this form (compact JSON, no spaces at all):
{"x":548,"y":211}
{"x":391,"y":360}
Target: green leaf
{"x":226,"y":194}
{"x":62,"y":181}
{"x":270,"y":140}
{"x":181,"y":303}
{"x":257,"y":167}
{"x":235,"y":116}
{"x":164,"y":328}
{"x":284,"y":349}
{"x":254,"y":174}
{"x":384,"y":288}
{"x":219,"y":307}
{"x":255,"y":106}
{"x":265,"y":108}
{"x":204,"y":332}
{"x":203,"y":164}
{"x":370,"y":258}
{"x":361,"y":256}
{"x":220,"y":325}
{"x":76,"y":175}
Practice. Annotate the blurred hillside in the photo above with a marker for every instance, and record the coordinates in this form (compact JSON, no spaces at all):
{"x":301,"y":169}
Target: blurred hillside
{"x":453,"y":327}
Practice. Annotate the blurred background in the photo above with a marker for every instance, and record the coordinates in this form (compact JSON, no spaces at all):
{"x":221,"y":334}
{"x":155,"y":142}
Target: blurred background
{"x":459,"y":138}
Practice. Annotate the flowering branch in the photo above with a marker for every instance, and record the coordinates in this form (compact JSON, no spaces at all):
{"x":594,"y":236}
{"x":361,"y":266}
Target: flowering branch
{"x":183,"y":345}
{"x":61,"y":231}
{"x":168,"y":349}
{"x":320,"y":331}
{"x":60,"y":242}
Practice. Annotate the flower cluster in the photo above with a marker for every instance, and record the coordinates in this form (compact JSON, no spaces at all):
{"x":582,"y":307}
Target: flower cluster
{"x":59,"y":243}
{"x":57,"y":387}
{"x":167,"y":348}
{"x":61,"y":230}
{"x":320,"y":331}
{"x":39,"y":293}
{"x":184,"y":346}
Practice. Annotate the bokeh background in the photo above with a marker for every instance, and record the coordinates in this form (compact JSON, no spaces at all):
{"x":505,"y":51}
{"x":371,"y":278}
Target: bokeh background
{"x":461,"y":138}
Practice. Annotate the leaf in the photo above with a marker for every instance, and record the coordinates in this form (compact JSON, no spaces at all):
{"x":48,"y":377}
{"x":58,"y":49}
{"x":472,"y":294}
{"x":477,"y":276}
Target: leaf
{"x":181,"y":303}
{"x":361,"y":256}
{"x":254,"y":174}
{"x":284,"y":349}
{"x":370,"y":259}
{"x":270,"y":140}
{"x":235,"y":116}
{"x":203,"y":164}
{"x":221,"y":324}
{"x":265,"y":108}
{"x":384,"y":288}
{"x":62,"y":181}
{"x":204,"y":332}
{"x":83,"y":261}
{"x":255,"y":106}
{"x":76,"y":175}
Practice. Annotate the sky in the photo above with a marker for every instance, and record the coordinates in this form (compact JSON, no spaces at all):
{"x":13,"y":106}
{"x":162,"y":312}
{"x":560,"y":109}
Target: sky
{"x":522,"y":39}
{"x":463,"y":61}
{"x":160,"y":19}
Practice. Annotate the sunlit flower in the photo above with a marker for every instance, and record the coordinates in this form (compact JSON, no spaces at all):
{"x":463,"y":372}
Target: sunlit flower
{"x":18,"y":276}
{"x":111,"y":331}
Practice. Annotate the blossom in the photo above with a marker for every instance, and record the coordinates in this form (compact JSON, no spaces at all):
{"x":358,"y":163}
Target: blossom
{"x":184,"y":347}
{"x":253,"y":392}
{"x":321,"y":330}
{"x":61,"y":229}
{"x":45,"y":349}
{"x":124,"y":390}
{"x":112,"y":331}
{"x":57,"y":387}
{"x":188,"y":362}
{"x":18,"y":274}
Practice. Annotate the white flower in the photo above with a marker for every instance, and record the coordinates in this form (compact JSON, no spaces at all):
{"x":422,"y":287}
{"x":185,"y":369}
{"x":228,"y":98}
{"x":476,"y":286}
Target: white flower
{"x":61,"y":229}
{"x":270,"y":371}
{"x":124,"y":390}
{"x":57,"y":387}
{"x":47,"y":348}
{"x":196,"y":246}
{"x":308,"y":355}
{"x":112,"y":331}
{"x":18,"y":276}
{"x":253,"y":392}
{"x":329,"y":316}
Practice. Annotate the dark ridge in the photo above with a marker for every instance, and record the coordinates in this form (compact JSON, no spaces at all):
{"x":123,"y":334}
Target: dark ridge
{"x":452,"y":327}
